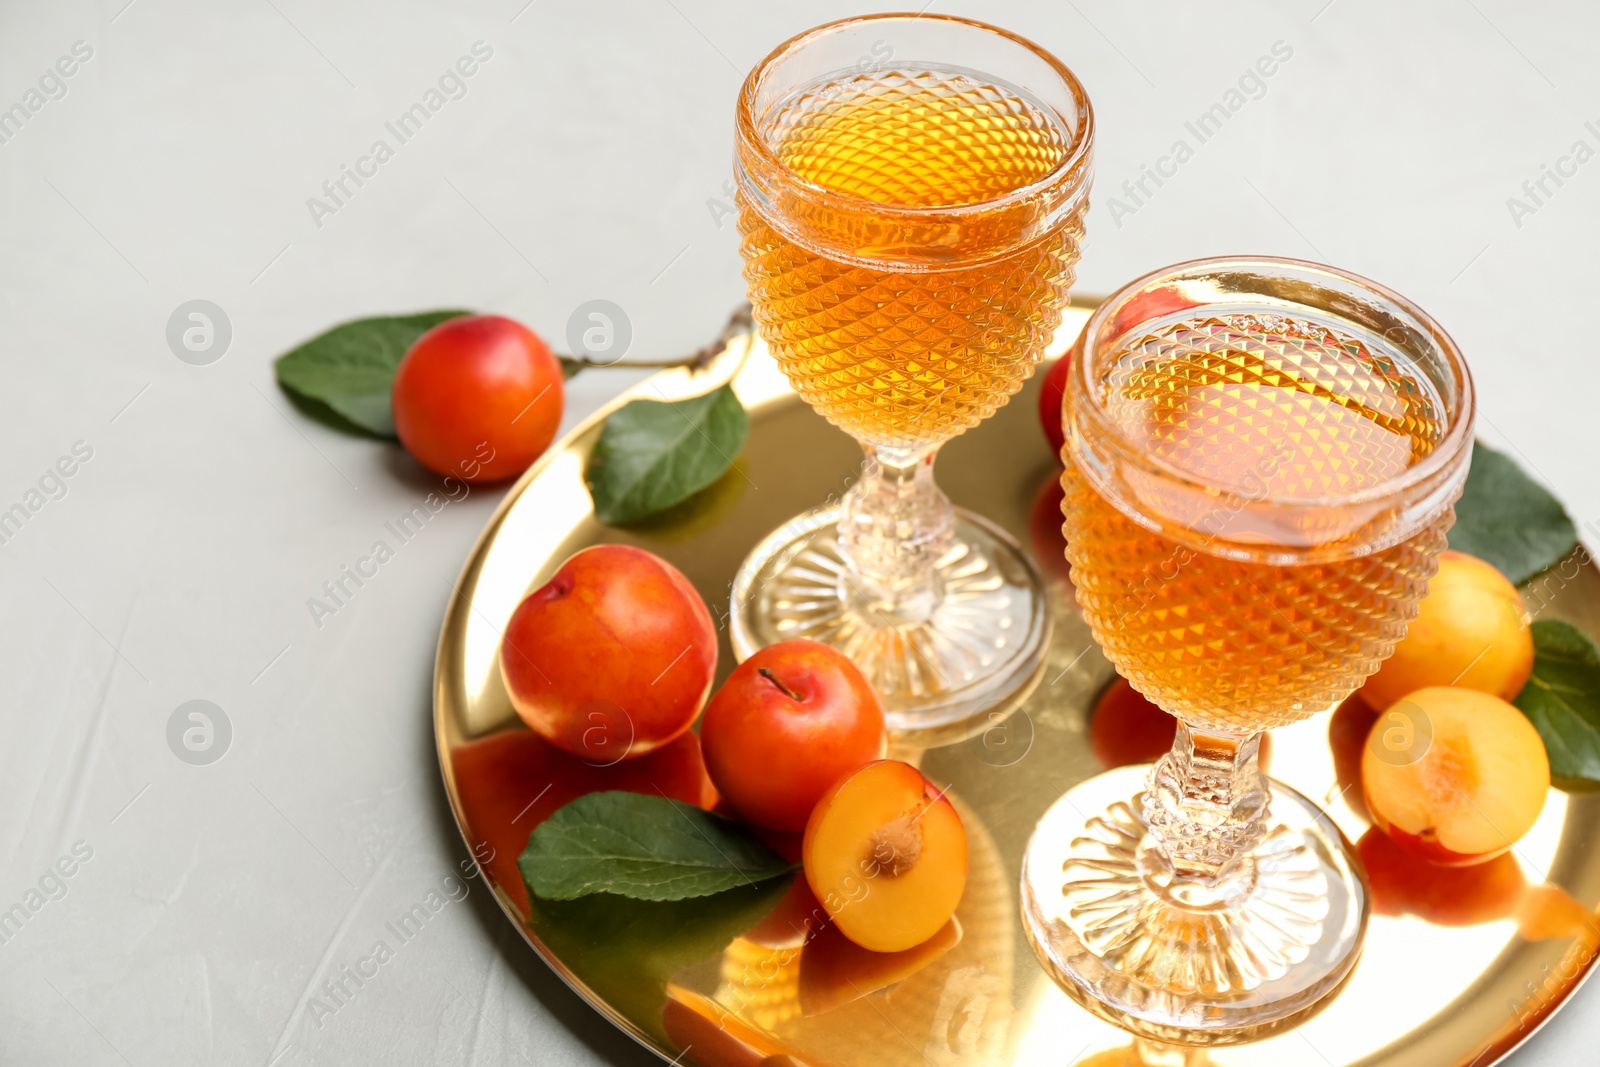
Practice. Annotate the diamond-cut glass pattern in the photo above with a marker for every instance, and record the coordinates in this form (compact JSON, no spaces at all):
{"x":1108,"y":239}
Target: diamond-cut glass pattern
{"x":899,"y":357}
{"x":1238,"y":646}
{"x":917,"y":138}
{"x":1310,"y":412}
{"x":1313,"y":412}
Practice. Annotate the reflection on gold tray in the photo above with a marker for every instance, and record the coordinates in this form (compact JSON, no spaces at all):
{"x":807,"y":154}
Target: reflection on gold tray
{"x":1458,"y":968}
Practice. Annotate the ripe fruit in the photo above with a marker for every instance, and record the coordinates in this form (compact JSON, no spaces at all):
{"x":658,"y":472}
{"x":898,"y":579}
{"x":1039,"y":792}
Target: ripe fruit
{"x":1045,"y":537}
{"x":1471,"y":632}
{"x":1454,"y":775}
{"x":1127,"y":728}
{"x":612,"y":657}
{"x":788,"y":723}
{"x":1050,"y":393}
{"x":886,"y":854}
{"x":478,"y":397}
{"x":1348,"y":728}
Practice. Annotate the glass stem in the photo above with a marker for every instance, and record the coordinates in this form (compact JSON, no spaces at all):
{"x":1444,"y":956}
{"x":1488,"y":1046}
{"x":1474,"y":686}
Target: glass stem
{"x":1206,"y":807}
{"x":894,"y":525}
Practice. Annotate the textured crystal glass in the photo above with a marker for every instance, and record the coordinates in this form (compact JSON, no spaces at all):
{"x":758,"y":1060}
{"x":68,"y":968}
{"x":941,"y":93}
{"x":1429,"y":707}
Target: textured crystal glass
{"x":911,"y":194}
{"x":1262,"y":457}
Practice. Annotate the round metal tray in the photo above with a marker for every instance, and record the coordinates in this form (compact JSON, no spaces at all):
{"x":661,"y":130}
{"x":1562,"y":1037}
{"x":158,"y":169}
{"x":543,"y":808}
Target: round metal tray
{"x":1457,"y":969}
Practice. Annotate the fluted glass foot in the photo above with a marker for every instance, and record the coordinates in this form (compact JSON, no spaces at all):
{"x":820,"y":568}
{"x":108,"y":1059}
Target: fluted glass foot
{"x":1231,"y":959}
{"x":944,"y":663}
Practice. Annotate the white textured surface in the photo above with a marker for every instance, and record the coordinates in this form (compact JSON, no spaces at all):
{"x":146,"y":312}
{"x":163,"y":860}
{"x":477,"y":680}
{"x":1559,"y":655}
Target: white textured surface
{"x":579,"y":165}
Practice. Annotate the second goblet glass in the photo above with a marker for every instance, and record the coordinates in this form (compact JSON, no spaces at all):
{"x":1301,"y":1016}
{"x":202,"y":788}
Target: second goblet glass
{"x":1261,"y":461}
{"x":910,"y":227}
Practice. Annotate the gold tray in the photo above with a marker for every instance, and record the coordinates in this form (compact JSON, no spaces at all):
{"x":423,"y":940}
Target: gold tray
{"x":1458,"y":984}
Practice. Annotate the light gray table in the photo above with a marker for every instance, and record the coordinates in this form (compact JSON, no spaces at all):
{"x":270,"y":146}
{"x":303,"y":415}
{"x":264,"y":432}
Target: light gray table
{"x":585,"y":160}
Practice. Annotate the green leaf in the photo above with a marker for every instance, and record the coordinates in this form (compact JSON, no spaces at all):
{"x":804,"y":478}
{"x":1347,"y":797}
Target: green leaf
{"x":1562,"y":698}
{"x":569,"y":367}
{"x":652,"y":455}
{"x":644,"y":847}
{"x":350,"y":369}
{"x":1510,"y":520}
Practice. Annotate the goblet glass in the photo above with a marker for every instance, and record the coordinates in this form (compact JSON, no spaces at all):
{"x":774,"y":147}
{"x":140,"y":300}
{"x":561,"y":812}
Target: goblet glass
{"x":911,"y":194}
{"x":1262,"y":458}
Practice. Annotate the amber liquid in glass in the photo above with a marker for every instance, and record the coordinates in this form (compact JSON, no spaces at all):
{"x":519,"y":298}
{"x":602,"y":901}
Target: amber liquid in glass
{"x":913,"y":355}
{"x":1278,"y":408}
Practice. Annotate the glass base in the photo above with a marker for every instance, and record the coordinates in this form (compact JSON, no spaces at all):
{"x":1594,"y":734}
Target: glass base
{"x":1257,"y":953}
{"x":969,"y":655}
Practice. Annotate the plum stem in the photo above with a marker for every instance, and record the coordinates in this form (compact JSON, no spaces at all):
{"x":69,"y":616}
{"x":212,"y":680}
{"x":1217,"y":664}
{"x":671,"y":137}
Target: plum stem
{"x":766,"y":673}
{"x":739,"y":322}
